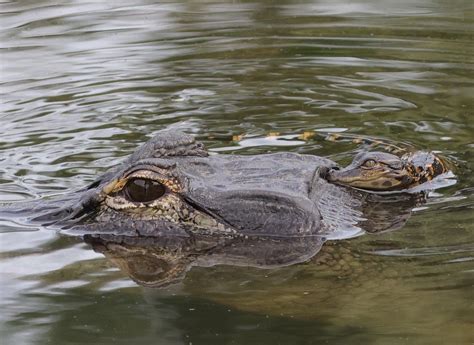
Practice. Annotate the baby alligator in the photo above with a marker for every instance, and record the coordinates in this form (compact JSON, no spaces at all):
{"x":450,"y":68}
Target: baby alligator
{"x":380,"y":171}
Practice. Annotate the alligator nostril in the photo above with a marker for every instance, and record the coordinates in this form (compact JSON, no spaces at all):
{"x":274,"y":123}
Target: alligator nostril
{"x":323,"y":172}
{"x":328,"y":173}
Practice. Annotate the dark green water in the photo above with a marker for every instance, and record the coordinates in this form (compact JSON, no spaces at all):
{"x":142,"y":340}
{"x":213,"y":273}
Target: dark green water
{"x":84,"y":83}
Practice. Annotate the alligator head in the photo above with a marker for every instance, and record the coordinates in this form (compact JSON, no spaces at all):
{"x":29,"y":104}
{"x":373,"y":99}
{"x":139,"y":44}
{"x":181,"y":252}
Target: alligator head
{"x":172,"y":185}
{"x":380,"y":171}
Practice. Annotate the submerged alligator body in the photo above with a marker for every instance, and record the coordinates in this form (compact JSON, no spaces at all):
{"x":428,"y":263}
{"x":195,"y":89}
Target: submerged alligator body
{"x":173,"y":201}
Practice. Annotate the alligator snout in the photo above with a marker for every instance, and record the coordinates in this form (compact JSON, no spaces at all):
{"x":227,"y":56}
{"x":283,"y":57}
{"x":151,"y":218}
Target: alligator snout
{"x":327,"y":173}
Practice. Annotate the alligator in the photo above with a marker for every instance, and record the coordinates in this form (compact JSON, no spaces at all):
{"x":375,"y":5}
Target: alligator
{"x":172,"y":201}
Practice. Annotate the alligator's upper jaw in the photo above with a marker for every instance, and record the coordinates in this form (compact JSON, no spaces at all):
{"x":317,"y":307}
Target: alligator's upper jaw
{"x":259,"y":212}
{"x":336,"y":175}
{"x":378,"y":180}
{"x":344,"y":176}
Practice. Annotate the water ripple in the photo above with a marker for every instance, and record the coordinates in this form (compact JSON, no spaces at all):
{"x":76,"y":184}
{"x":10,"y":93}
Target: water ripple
{"x":83,"y":83}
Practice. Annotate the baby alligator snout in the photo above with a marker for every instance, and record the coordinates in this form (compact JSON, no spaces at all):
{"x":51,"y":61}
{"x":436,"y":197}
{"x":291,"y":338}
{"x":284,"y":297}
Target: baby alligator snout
{"x":326,"y":172}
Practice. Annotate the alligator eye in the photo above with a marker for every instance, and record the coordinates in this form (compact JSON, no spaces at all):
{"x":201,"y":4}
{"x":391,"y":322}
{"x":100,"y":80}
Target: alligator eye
{"x":143,"y":190}
{"x":369,"y":163}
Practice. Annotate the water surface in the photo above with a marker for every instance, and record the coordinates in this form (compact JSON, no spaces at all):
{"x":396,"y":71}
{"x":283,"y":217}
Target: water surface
{"x":84,"y":83}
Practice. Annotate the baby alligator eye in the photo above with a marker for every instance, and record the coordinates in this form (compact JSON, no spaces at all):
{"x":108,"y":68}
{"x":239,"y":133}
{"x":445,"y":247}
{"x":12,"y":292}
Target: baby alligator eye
{"x":143,"y":190}
{"x":369,"y":163}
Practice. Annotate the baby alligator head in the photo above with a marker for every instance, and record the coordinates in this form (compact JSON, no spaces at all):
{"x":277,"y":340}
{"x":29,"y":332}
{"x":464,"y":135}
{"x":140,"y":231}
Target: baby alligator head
{"x":380,"y":171}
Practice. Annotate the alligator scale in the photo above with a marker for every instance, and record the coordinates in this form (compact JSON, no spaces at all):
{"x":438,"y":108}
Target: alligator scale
{"x":171,"y":194}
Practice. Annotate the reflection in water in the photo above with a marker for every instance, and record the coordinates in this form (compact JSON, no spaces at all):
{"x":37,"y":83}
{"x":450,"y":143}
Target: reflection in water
{"x":157,"y":261}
